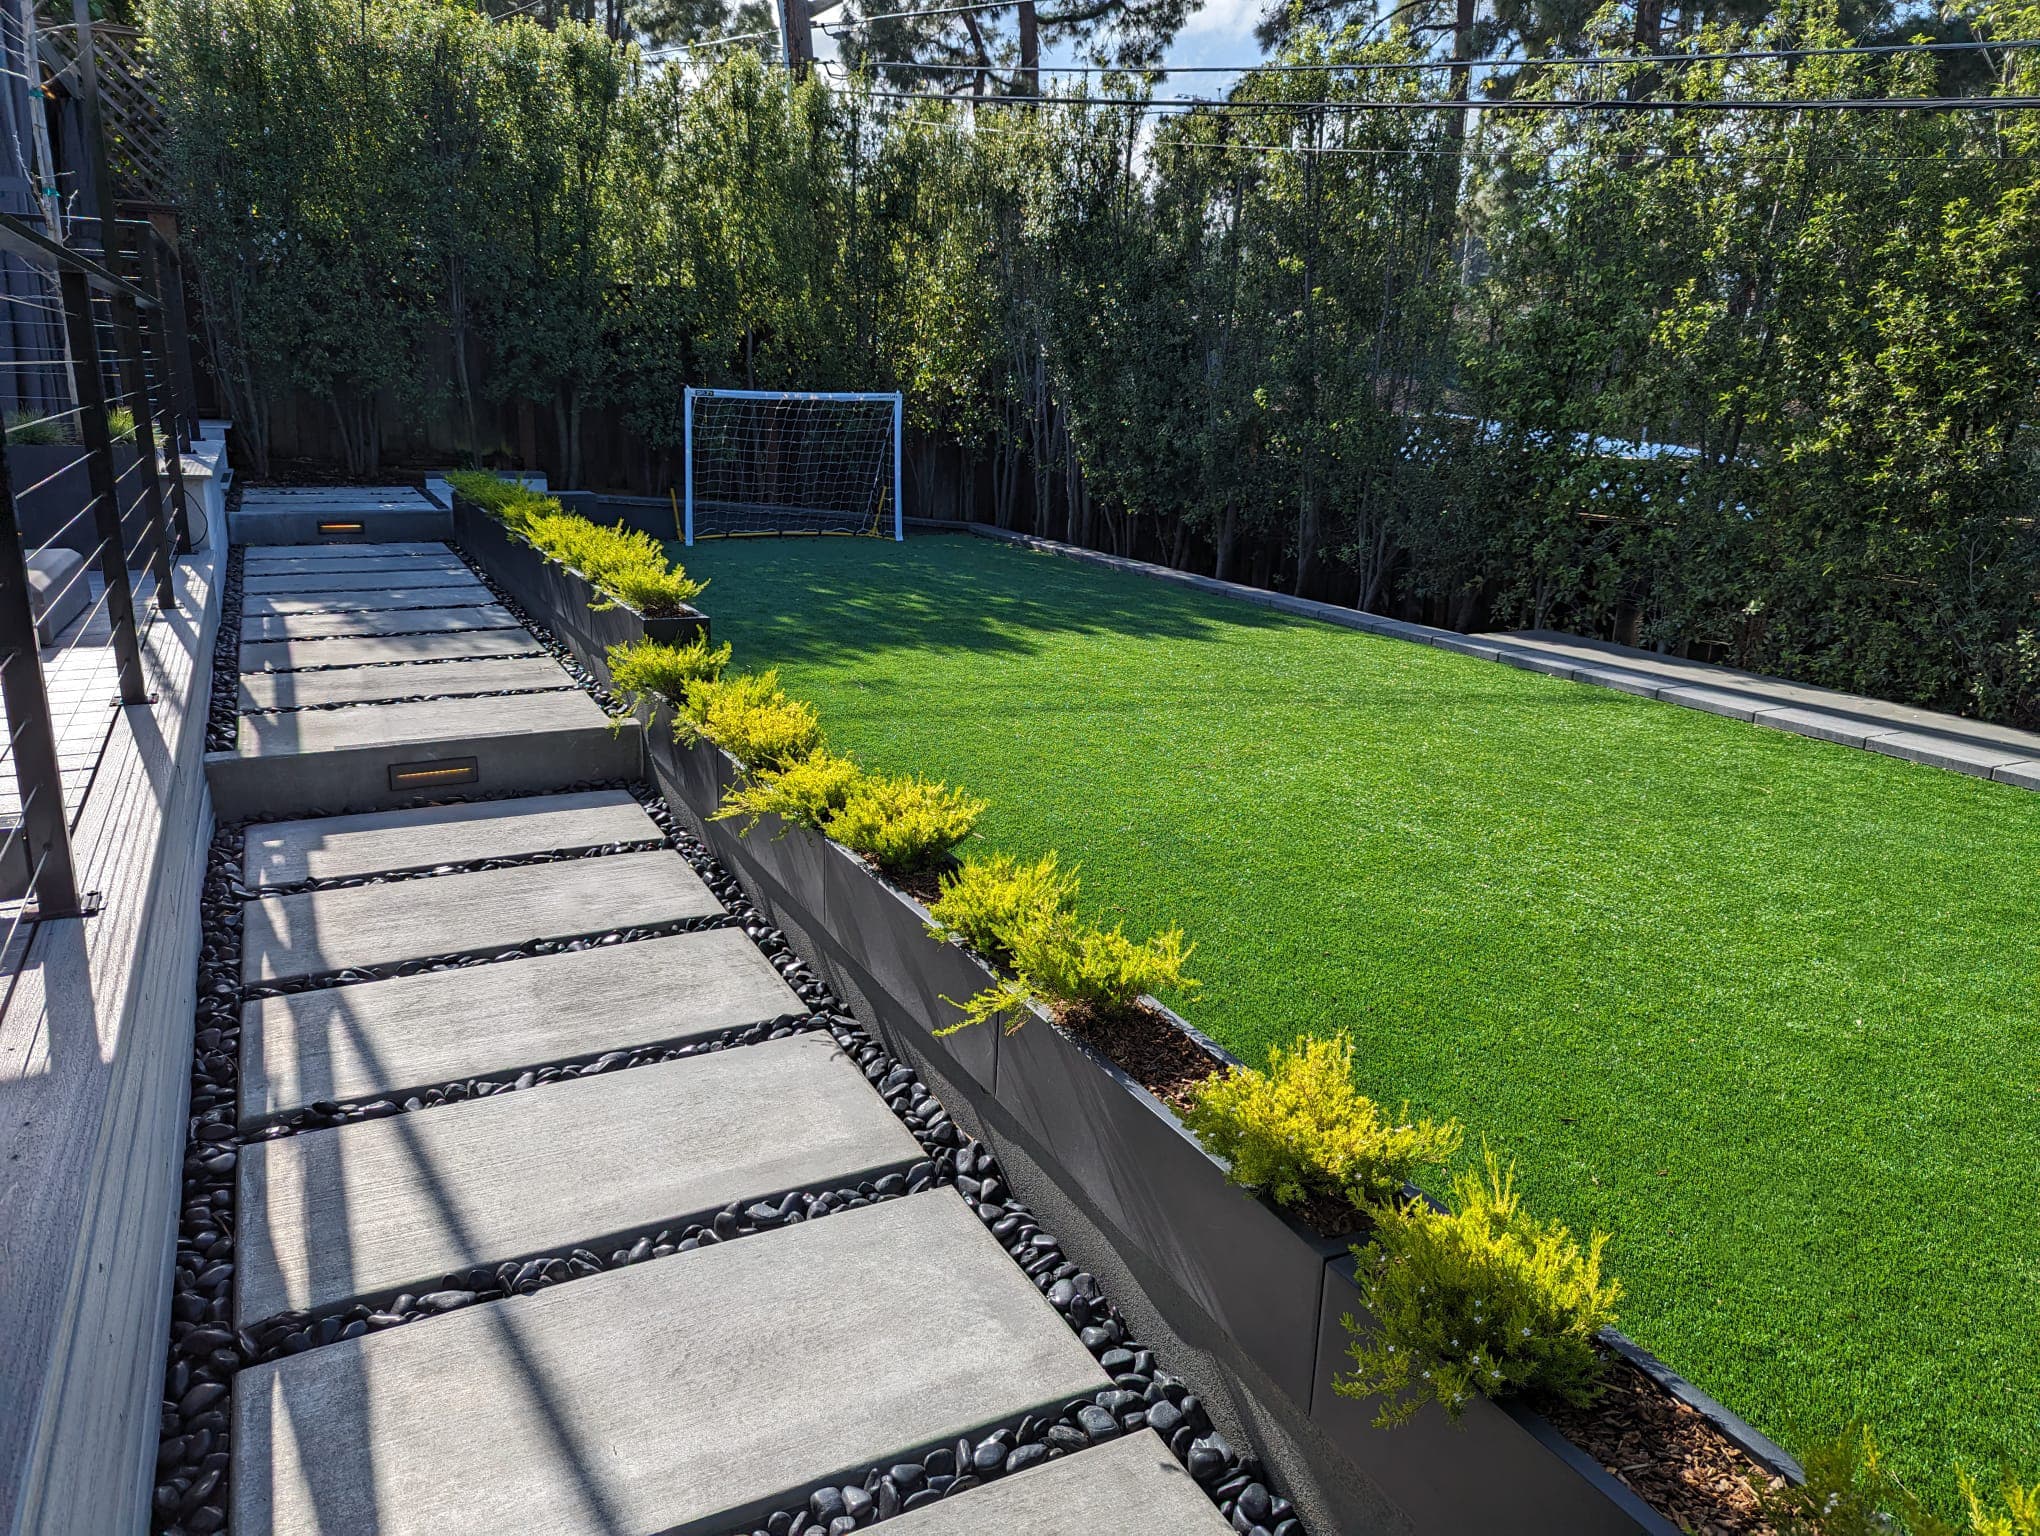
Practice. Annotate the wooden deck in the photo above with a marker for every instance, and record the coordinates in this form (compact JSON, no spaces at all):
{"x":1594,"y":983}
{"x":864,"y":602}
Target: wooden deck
{"x":95,"y":1052}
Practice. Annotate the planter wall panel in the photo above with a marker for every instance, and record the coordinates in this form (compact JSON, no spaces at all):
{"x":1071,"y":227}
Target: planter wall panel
{"x":1493,"y":1471}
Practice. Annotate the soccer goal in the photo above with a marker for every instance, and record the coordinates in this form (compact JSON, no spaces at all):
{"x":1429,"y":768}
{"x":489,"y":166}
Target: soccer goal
{"x":769,"y":462}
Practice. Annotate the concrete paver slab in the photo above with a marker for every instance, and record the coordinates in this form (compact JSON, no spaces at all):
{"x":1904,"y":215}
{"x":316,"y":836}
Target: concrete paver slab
{"x":381,"y":725}
{"x":335,"y":847}
{"x":1714,"y":701}
{"x":418,"y":571}
{"x":411,"y":1032}
{"x":368,"y":685}
{"x":402,"y":621}
{"x":289,"y":655}
{"x":490,"y":910}
{"x":275,"y":554}
{"x":1126,"y":1487}
{"x":450,"y":594}
{"x":684,"y":1395}
{"x":331,"y":1216}
{"x":2025,"y":775}
{"x":1817,"y":724}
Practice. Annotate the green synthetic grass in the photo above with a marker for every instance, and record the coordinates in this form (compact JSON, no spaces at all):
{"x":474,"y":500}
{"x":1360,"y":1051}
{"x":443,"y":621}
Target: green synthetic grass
{"x":1761,"y":1007}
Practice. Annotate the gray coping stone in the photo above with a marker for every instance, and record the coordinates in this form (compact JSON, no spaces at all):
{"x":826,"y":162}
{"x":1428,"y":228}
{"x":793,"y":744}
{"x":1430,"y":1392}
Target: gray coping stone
{"x":403,"y":621}
{"x":379,"y":842}
{"x":492,"y":909}
{"x":368,"y":650}
{"x":431,"y":593}
{"x":1131,"y":1486}
{"x":412,"y":1032}
{"x":1817,"y":724}
{"x":683,"y":1396}
{"x":271,"y":554}
{"x":1714,"y":701}
{"x":380,"y":725}
{"x":1979,"y":759}
{"x":2023,"y":775}
{"x":419,"y":569}
{"x":369,"y":685}
{"x":331,"y":1216}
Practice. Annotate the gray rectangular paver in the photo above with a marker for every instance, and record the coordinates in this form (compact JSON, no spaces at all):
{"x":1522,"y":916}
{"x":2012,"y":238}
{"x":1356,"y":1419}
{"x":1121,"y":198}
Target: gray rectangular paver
{"x":334,"y":847}
{"x":682,"y":1396}
{"x":420,"y":570}
{"x":449,"y":593}
{"x":349,"y":563}
{"x":1126,"y":1487}
{"x":494,"y":909}
{"x":411,"y":1032}
{"x":2023,"y":775}
{"x":290,"y":655}
{"x":1620,"y":679}
{"x":332,"y":1216}
{"x":271,"y":554}
{"x":403,"y":621}
{"x":385,"y":725}
{"x":1979,"y":759}
{"x":368,"y":685}
{"x":1714,"y":701}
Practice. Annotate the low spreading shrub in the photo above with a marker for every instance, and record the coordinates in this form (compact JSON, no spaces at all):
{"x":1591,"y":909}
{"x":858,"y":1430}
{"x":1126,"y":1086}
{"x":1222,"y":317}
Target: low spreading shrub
{"x":646,"y":669}
{"x":981,"y":902}
{"x":807,"y":791}
{"x":749,"y":717}
{"x":1301,"y":1129}
{"x":1061,"y":963}
{"x":1484,"y":1298}
{"x":904,"y":824}
{"x":628,"y":565}
{"x":1850,"y":1492}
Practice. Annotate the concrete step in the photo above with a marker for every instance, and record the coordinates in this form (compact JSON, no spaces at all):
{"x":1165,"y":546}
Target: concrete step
{"x":336,"y":847}
{"x":1126,"y":1487}
{"x":328,"y":1217}
{"x":419,"y":570}
{"x":289,"y":655}
{"x":368,"y":756}
{"x":368,"y":685}
{"x":490,"y":910}
{"x":403,"y":621}
{"x":338,"y":517}
{"x":271,"y":557}
{"x":343,"y":561}
{"x":685,"y":1395}
{"x":396,"y":1037}
{"x":452,"y":593}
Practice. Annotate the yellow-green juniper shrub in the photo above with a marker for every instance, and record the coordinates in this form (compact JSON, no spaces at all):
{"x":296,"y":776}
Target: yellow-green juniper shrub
{"x":807,"y":791}
{"x":1301,"y":1129}
{"x":982,"y":901}
{"x":1061,"y":962}
{"x":1484,"y":1298}
{"x":1849,"y":1491}
{"x":628,"y":565}
{"x":647,"y":669}
{"x":904,"y":823}
{"x":750,"y":717}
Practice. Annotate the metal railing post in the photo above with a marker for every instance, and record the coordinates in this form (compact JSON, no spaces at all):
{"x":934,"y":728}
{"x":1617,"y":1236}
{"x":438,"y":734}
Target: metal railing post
{"x":156,"y":328}
{"x":44,"y":826}
{"x":92,"y":426}
{"x":133,"y":365}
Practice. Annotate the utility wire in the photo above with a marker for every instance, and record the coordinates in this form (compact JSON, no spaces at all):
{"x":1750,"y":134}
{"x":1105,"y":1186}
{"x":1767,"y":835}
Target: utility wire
{"x":1504,"y":103}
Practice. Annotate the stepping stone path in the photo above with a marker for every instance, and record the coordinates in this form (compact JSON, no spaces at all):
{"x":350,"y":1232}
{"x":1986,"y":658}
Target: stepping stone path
{"x":540,"y":1201}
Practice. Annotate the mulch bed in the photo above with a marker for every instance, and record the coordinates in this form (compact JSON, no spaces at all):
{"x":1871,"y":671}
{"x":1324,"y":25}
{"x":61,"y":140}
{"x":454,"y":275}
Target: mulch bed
{"x":923,"y":885}
{"x":1672,"y":1457}
{"x":1146,"y":1047}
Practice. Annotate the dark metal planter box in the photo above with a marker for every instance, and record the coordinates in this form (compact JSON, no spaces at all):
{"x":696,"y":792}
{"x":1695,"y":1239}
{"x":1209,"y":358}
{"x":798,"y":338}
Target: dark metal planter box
{"x":560,"y":597}
{"x":52,"y":485}
{"x":1502,"y":1467}
{"x":1276,"y":1290}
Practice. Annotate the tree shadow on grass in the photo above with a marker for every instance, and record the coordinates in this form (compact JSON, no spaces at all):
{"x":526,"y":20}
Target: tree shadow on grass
{"x":828,"y":599}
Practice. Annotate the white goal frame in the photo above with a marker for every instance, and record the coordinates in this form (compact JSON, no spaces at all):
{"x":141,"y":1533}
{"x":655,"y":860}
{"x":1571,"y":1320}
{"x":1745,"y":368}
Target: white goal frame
{"x":692,"y":394}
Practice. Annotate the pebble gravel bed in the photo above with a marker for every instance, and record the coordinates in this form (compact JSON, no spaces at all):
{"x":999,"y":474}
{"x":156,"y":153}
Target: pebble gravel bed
{"x":223,"y":708}
{"x":207,"y":1346}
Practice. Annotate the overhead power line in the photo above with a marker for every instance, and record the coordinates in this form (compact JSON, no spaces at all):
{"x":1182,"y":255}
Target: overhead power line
{"x":1508,"y":104}
{"x":942,"y":10}
{"x":1550,"y":61}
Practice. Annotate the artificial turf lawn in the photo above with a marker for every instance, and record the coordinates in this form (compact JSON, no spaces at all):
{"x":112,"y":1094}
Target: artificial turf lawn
{"x":1762,"y":1007}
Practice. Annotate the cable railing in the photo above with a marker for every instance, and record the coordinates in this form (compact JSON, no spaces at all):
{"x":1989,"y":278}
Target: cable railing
{"x":92,"y":373}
